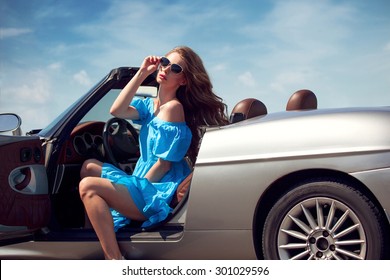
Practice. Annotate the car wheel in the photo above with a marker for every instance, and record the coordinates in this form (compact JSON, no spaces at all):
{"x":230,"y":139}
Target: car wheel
{"x":322,"y":220}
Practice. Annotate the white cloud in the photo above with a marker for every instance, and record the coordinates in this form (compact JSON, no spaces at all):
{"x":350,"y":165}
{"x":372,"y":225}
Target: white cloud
{"x":288,"y":80}
{"x":218,"y":67}
{"x":55,"y":66}
{"x":82,"y":78}
{"x":13,"y":32}
{"x":39,"y":96}
{"x":33,"y":91}
{"x":387,"y":47}
{"x":302,"y":32}
{"x":247,"y":79}
{"x":31,"y":97}
{"x":308,"y":22}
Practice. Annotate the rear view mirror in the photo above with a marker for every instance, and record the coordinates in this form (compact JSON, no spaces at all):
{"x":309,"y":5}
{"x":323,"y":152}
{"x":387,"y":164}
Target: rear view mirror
{"x":9,"y":122}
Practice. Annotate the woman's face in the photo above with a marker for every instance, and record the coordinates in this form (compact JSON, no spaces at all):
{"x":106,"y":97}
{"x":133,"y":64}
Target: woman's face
{"x":165,"y":74}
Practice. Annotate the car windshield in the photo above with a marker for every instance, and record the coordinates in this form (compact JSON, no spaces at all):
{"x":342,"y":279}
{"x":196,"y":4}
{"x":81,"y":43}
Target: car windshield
{"x":58,"y":118}
{"x":48,"y":128}
{"x":100,"y":111}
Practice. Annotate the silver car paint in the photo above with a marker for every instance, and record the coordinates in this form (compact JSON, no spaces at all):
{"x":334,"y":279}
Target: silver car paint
{"x":236,"y":164}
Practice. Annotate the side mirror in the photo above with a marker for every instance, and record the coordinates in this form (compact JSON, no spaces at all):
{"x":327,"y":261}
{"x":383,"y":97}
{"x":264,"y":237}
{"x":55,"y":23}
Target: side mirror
{"x":9,"y":122}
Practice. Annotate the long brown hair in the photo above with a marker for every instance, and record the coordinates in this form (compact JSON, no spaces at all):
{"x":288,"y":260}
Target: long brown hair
{"x":202,"y":107}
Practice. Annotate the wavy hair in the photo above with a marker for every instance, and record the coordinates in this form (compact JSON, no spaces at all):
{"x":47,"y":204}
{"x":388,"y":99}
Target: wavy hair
{"x":202,"y":107}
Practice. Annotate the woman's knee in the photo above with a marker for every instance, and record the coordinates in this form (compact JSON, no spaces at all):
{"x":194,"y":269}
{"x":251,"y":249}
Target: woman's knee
{"x":91,"y":167}
{"x":86,"y":187}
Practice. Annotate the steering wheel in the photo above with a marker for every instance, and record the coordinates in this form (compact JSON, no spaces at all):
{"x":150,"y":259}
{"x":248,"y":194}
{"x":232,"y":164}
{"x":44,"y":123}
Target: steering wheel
{"x":120,"y":141}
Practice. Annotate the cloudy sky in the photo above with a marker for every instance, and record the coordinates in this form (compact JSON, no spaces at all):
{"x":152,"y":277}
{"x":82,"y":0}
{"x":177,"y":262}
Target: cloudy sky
{"x":53,"y":51}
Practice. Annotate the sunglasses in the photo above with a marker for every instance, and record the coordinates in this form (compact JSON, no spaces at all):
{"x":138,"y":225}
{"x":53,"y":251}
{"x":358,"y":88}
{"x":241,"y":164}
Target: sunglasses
{"x":175,"y":68}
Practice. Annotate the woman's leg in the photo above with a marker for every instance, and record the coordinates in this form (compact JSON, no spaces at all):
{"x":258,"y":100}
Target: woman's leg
{"x":98,"y":196}
{"x":91,"y":167}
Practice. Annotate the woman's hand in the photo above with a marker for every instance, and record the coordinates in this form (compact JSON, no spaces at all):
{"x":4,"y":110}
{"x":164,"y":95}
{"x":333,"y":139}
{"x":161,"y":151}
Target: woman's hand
{"x":120,"y":108}
{"x":158,"y":170}
{"x":150,"y":64}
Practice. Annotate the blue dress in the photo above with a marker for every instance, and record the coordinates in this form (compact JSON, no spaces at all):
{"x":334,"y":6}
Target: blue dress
{"x":158,"y":139}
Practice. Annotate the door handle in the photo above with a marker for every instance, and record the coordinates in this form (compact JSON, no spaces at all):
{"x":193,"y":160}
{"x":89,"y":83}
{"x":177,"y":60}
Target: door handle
{"x":26,"y":180}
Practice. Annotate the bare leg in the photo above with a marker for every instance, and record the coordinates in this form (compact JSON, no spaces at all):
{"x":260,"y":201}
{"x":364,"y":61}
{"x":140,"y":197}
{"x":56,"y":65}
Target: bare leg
{"x":98,"y":196}
{"x":90,"y":167}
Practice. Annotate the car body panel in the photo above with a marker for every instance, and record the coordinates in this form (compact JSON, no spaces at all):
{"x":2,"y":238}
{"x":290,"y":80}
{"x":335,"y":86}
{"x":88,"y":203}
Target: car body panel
{"x":212,"y":245}
{"x":378,"y":180}
{"x":317,"y":133}
{"x":275,"y":146}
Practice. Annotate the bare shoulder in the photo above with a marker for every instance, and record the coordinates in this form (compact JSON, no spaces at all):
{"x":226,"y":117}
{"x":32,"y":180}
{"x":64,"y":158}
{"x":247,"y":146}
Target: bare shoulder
{"x":172,"y":111}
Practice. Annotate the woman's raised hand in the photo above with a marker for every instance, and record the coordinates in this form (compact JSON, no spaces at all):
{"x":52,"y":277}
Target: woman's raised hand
{"x":150,"y":63}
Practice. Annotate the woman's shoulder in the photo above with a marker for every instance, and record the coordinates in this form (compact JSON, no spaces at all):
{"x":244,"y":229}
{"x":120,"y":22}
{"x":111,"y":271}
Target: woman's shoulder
{"x":172,"y":111}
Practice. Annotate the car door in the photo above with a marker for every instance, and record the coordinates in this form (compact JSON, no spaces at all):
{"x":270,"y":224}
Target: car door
{"x":24,"y":198}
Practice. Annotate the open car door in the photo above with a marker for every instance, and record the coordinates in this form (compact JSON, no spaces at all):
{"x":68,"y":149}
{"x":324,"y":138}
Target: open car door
{"x":24,"y":198}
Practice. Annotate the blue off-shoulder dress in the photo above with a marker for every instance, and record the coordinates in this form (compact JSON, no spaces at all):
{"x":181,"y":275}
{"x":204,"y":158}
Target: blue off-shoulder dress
{"x":158,"y":139}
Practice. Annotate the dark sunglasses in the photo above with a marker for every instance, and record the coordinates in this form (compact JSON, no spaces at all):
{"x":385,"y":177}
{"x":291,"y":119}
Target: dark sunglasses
{"x":175,"y":68}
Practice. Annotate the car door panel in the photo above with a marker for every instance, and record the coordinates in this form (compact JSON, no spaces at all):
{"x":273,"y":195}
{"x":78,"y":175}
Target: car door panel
{"x":24,"y":199}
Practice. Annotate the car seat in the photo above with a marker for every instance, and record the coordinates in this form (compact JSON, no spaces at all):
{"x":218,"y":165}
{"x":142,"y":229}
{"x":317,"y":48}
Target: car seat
{"x":246,"y":109}
{"x":303,"y":99}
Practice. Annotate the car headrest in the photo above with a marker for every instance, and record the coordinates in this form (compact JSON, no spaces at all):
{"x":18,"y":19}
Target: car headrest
{"x":246,"y":109}
{"x":303,"y":99}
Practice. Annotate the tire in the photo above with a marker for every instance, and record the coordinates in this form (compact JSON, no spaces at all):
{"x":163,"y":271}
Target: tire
{"x":323,"y":219}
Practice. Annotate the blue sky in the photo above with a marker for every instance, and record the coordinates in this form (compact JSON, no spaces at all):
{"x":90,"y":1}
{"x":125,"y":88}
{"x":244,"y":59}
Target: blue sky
{"x":53,"y":51}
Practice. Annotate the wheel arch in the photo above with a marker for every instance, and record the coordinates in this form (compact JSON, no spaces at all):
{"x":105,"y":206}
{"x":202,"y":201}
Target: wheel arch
{"x":292,"y":180}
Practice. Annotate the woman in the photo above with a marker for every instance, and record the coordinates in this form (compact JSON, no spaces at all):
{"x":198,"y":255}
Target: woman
{"x":170,"y":130}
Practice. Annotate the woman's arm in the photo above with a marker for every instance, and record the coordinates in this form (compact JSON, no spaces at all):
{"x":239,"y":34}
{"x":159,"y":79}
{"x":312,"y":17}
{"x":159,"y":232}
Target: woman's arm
{"x":120,"y":108}
{"x":158,"y":170}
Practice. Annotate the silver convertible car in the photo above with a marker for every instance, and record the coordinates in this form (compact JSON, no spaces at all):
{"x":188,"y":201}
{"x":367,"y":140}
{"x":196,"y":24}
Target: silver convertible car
{"x":305,"y":183}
